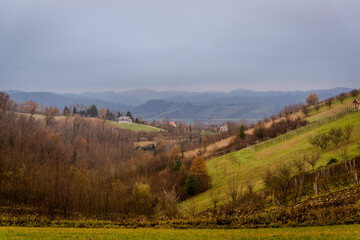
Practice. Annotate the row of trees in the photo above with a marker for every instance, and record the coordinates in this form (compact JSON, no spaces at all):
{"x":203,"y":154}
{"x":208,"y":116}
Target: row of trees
{"x":92,"y":111}
{"x":334,"y":135}
{"x":32,"y":107}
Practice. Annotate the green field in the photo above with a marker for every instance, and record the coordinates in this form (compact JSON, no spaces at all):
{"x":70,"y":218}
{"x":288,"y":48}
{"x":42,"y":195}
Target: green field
{"x":135,"y":127}
{"x":327,"y":232}
{"x":248,"y":165}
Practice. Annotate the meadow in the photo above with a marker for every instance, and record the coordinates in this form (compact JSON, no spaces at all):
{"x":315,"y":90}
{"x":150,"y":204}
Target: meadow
{"x":250,"y":164}
{"x":135,"y":127}
{"x":323,"y":232}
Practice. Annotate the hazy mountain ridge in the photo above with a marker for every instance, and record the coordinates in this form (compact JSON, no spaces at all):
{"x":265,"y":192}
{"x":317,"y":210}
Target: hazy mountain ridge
{"x":182,"y":105}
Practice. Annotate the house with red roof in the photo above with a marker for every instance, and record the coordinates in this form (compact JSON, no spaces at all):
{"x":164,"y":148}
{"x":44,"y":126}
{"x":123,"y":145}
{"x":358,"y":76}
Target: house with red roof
{"x":357,"y":104}
{"x":172,"y":124}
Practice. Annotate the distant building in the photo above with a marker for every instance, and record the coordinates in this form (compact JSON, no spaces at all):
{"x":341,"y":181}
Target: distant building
{"x":124,"y":119}
{"x":224,"y":128}
{"x":357,"y":104}
{"x":143,"y":122}
{"x":172,"y":124}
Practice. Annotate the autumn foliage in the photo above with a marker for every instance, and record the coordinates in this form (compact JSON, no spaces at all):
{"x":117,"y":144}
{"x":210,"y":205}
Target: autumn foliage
{"x":65,"y":166}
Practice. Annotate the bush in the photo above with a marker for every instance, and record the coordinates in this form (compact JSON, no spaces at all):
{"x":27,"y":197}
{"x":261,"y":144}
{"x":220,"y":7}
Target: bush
{"x":335,"y":135}
{"x":320,"y":141}
{"x":142,"y":199}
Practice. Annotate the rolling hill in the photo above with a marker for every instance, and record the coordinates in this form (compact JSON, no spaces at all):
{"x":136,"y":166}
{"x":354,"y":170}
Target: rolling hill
{"x":250,"y":164}
{"x":209,"y":107}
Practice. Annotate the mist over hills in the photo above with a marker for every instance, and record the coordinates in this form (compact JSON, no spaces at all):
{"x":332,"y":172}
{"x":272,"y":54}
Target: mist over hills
{"x":182,"y":105}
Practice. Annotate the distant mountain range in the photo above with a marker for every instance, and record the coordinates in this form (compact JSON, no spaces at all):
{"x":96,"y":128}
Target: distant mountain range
{"x":181,"y":105}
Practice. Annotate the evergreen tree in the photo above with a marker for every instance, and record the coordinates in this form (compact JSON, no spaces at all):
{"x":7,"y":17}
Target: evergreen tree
{"x":74,"y":110}
{"x":129,"y":115}
{"x":66,"y":111}
{"x":93,"y":112}
{"x":191,"y":185}
{"x":242,"y":132}
{"x":110,"y":115}
{"x":177,"y":163}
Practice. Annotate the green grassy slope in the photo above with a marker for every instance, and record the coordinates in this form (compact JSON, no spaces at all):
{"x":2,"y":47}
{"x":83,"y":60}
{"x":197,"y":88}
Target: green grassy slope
{"x":249,"y":165}
{"x":325,"y":232}
{"x":135,"y":127}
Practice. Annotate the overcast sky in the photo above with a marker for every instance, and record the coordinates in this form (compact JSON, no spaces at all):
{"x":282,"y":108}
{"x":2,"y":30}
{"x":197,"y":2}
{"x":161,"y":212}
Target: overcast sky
{"x":197,"y":45}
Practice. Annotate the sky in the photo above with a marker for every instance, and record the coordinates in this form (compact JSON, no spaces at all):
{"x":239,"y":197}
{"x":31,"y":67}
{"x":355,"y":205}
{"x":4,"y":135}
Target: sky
{"x":198,"y":45}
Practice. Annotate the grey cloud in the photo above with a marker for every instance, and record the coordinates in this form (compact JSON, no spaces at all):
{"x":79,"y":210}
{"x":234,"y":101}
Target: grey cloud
{"x":193,"y":45}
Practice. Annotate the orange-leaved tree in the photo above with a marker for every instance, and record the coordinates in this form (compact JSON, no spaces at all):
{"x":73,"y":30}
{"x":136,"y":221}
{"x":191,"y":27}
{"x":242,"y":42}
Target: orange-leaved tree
{"x":199,"y":170}
{"x":198,"y":167}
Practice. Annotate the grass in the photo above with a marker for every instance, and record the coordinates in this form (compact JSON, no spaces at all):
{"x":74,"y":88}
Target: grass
{"x":210,"y":133}
{"x":249,"y":166}
{"x":325,"y":111}
{"x":135,"y":127}
{"x":324,"y":232}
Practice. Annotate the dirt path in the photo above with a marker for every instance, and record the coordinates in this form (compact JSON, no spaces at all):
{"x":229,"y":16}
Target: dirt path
{"x":225,"y":142}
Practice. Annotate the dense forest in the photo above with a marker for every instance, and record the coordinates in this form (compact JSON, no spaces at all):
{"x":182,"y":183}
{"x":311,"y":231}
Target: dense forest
{"x":84,"y":165}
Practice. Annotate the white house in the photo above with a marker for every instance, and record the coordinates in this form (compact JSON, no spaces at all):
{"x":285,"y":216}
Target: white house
{"x":124,"y":119}
{"x":224,"y":128}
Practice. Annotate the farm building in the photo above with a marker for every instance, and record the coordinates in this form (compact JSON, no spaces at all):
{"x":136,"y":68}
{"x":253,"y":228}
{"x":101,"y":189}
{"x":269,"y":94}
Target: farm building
{"x":124,"y":119}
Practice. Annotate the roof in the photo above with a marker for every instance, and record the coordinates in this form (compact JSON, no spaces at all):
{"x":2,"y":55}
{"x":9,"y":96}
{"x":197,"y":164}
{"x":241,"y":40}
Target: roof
{"x":124,"y":118}
{"x":356,"y":101}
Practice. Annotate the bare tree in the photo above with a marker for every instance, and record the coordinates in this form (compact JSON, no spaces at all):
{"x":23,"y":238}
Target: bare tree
{"x":273,"y":118}
{"x":305,"y":110}
{"x":31,"y":106}
{"x":329,"y":102}
{"x":299,"y":164}
{"x":168,"y":203}
{"x":204,"y":143}
{"x":192,"y":208}
{"x":234,"y":189}
{"x":341,"y":97}
{"x":50,"y":113}
{"x":312,"y":99}
{"x":354,"y":93}
{"x":312,"y":159}
{"x":347,"y":131}
{"x":260,"y":131}
{"x":4,"y":98}
{"x":214,"y":197}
